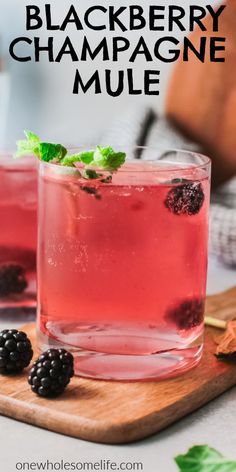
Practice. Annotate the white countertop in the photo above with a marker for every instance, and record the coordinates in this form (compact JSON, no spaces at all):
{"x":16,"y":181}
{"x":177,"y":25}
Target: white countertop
{"x":214,"y":424}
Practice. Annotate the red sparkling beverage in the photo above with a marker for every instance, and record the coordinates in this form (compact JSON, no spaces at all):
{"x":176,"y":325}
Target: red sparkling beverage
{"x":18,"y":217}
{"x":122,"y":267}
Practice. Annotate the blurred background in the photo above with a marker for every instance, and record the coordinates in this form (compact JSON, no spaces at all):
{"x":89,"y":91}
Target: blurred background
{"x":38,"y":96}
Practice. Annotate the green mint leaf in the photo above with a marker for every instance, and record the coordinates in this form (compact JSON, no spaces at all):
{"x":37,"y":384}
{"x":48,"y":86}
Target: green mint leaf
{"x":204,"y":459}
{"x":25,"y":148}
{"x":86,"y":157}
{"x":31,"y":137}
{"x":101,"y":155}
{"x":28,"y":146}
{"x":116,"y":160}
{"x":50,"y":151}
{"x":108,"y":159}
{"x":69,"y":161}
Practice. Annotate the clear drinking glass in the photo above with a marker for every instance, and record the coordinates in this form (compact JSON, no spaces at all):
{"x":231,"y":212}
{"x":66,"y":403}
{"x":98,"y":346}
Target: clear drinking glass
{"x":18,"y":234}
{"x":122,"y":265}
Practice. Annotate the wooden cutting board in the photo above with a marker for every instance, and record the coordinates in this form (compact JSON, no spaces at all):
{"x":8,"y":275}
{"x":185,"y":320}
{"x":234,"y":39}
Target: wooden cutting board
{"x":116,"y":412}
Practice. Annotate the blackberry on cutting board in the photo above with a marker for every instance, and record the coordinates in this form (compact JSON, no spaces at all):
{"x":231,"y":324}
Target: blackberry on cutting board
{"x":188,"y":314}
{"x":12,"y":279}
{"x":51,"y":373}
{"x":15,"y":351}
{"x":185,"y":199}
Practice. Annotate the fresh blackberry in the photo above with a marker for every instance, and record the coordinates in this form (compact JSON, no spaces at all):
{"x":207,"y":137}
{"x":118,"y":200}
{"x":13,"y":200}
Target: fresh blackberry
{"x":51,"y":373}
{"x":12,"y":279}
{"x":188,"y":314}
{"x":186,"y":199}
{"x":15,"y":351}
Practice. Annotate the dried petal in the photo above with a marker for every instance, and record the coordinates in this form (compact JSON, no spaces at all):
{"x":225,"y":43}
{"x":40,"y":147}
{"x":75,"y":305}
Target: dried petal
{"x":226,"y":348}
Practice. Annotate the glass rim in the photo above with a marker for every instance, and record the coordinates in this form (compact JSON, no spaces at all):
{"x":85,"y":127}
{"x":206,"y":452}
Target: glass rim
{"x":7,"y":160}
{"x":167,"y":165}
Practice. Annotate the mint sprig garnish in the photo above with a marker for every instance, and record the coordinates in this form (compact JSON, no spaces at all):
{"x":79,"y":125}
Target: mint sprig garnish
{"x":104,"y":158}
{"x":204,"y":459}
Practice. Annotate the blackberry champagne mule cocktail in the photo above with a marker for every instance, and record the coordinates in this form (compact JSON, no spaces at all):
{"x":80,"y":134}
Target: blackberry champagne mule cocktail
{"x":122,"y":259}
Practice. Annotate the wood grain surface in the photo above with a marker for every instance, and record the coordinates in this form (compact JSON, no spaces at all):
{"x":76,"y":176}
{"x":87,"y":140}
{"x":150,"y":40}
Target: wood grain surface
{"x":116,"y":412}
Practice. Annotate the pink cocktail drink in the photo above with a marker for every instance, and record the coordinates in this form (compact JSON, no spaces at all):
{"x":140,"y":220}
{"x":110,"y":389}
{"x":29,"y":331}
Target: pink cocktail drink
{"x":18,"y":216}
{"x":122,"y":268}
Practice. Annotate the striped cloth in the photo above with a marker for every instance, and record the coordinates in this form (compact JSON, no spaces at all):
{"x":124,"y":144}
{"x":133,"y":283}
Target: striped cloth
{"x":223,"y":223}
{"x":140,"y":126}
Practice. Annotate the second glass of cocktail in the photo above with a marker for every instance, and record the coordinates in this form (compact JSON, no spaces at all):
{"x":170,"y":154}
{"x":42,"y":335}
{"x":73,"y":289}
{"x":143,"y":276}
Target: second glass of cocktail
{"x":122,"y":265}
{"x":18,"y":217}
